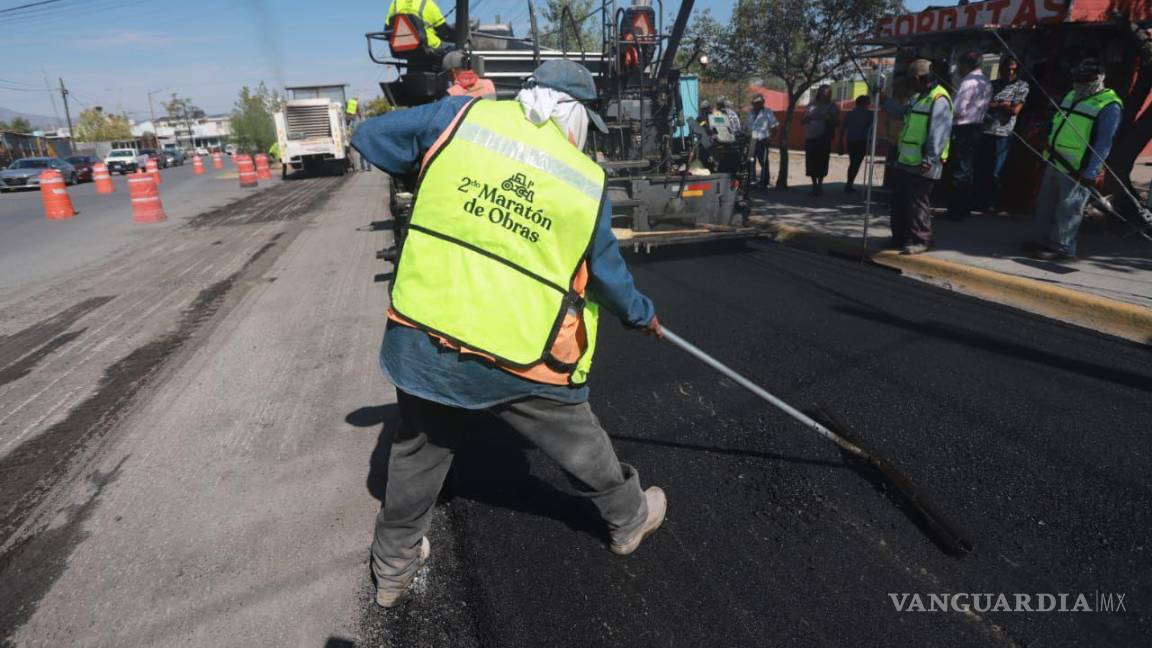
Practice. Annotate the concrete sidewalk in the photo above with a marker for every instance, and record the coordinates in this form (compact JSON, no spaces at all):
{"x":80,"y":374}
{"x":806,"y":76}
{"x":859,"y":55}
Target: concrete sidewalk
{"x":233,"y":509}
{"x":982,"y":256}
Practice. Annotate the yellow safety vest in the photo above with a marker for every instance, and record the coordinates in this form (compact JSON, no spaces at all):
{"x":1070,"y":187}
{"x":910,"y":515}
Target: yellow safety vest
{"x":503,"y":219}
{"x":918,"y":128}
{"x":1074,"y":127}
{"x":428,"y":12}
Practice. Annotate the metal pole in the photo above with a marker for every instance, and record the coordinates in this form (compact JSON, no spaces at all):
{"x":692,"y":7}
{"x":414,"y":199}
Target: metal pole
{"x":871,"y":158}
{"x":463,"y":33}
{"x":763,"y":393}
{"x":67,"y":113}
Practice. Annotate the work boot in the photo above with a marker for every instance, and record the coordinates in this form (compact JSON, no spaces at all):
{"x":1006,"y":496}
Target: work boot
{"x":1052,"y":255}
{"x":657,"y":507}
{"x":392,"y":594}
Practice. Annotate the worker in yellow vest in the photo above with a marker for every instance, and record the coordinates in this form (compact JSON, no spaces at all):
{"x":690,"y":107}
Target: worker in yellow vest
{"x":508,"y":261}
{"x":920,"y":155}
{"x":1078,"y":143}
{"x":438,"y":34}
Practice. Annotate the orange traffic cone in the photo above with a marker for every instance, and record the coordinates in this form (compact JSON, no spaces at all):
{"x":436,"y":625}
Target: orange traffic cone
{"x":248,"y":177}
{"x":101,"y":179}
{"x":198,"y":165}
{"x":263,"y":171}
{"x":57,"y":204}
{"x":146,"y":206}
{"x":217,"y":161}
{"x":154,"y":169}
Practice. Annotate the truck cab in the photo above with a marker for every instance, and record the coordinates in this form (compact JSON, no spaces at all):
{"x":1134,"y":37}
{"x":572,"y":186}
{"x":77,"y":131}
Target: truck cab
{"x":312,"y":130}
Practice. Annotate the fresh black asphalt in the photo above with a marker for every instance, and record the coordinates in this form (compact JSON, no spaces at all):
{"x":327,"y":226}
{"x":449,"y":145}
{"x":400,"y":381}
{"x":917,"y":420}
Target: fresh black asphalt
{"x":1031,"y":435}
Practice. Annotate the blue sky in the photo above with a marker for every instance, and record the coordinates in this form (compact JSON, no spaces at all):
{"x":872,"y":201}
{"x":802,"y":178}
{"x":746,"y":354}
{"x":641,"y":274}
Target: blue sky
{"x":114,"y":52}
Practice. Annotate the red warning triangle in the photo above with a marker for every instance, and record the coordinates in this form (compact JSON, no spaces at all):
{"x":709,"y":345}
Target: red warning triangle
{"x":404,"y":35}
{"x":642,"y":25}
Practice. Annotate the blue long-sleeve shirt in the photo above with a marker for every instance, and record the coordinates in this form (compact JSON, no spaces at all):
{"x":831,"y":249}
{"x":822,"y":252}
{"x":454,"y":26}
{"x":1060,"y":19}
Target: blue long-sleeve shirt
{"x":413,"y":361}
{"x":1107,"y":123}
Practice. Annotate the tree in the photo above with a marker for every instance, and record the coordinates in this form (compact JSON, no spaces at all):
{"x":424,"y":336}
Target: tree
{"x":94,"y":125}
{"x":253,"y":130}
{"x":799,"y":42}
{"x":17,"y":125}
{"x":704,"y":36}
{"x":182,"y":108}
{"x":554,"y":31}
{"x":377,"y":106}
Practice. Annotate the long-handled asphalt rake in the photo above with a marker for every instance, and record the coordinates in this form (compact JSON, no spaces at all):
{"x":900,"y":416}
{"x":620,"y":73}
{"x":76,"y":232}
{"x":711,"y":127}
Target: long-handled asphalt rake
{"x":944,"y":533}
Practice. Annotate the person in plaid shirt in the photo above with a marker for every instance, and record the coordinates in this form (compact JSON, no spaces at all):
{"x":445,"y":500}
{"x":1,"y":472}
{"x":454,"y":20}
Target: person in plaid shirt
{"x":1009,"y":92}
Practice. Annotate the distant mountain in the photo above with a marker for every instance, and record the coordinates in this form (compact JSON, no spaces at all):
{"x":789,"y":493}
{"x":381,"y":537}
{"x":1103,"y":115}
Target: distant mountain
{"x":37,"y":121}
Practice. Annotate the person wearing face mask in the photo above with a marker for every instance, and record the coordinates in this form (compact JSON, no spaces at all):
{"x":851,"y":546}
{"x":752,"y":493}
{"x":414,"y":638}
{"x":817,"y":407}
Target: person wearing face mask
{"x":1078,"y":143}
{"x":920,"y":155}
{"x":465,"y":81}
{"x":508,"y":261}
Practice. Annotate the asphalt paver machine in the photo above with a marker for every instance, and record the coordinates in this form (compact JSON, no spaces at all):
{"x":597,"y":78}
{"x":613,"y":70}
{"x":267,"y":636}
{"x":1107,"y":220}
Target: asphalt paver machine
{"x":659,"y":191}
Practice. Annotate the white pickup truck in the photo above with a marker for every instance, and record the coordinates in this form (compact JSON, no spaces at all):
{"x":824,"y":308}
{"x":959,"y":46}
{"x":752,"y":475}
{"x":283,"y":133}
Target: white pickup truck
{"x":125,"y":161}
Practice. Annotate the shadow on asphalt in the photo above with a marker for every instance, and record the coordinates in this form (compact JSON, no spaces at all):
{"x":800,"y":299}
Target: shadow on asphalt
{"x":1003,"y":347}
{"x":491,"y":467}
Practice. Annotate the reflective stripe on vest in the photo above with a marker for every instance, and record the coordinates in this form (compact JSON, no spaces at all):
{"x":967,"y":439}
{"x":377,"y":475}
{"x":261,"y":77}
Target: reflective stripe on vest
{"x":504,"y":216}
{"x":1074,"y":127}
{"x":918,"y":128}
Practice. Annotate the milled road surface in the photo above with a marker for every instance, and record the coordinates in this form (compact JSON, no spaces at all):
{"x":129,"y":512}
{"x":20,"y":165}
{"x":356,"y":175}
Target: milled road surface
{"x":1032,"y":435}
{"x":194,"y":435}
{"x":33,"y":249}
{"x":76,"y":357}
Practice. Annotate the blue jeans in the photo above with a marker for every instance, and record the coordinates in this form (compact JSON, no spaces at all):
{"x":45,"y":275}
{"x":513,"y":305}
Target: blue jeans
{"x":1059,"y":210}
{"x":993,"y":155}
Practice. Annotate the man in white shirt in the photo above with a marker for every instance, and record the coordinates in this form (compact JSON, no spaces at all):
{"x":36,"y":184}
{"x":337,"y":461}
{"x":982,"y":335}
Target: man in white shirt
{"x":761,"y":123}
{"x":969,"y":106}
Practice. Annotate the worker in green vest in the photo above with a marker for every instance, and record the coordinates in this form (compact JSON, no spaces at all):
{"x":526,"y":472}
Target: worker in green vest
{"x":920,"y":155}
{"x":438,"y":34}
{"x":508,"y":262}
{"x":1078,"y":143}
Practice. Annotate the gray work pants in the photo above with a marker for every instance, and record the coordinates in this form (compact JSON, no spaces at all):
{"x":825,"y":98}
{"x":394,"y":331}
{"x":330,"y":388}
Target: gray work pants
{"x":1059,"y":210}
{"x":422,"y":453}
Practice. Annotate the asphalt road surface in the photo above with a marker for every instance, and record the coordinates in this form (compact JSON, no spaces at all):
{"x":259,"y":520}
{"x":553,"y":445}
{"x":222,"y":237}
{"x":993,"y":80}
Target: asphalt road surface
{"x":187,"y":431}
{"x":1031,"y":435}
{"x":34,"y":249}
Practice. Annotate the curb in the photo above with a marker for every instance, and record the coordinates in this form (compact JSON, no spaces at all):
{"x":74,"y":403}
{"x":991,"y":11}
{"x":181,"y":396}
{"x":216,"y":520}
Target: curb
{"x":1110,"y":316}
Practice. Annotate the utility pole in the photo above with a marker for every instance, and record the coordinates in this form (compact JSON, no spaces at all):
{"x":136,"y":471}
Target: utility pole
{"x":152,"y":113}
{"x":67,"y":113}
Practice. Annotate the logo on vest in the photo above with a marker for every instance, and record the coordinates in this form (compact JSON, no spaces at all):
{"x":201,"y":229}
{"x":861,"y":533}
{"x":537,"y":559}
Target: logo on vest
{"x":520,"y":185}
{"x":508,"y":205}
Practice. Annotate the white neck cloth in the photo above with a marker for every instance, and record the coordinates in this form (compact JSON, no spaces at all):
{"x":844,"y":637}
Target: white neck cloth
{"x":541,"y":104}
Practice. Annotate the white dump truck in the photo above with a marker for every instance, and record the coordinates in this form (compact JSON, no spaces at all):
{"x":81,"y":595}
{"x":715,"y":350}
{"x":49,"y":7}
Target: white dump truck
{"x":312,"y":129}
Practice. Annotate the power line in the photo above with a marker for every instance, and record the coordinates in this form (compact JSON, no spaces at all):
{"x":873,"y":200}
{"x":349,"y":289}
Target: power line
{"x":27,"y":6}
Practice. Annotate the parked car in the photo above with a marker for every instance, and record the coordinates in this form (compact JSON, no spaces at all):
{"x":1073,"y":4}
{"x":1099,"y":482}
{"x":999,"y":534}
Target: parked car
{"x":83,"y":165}
{"x":153,"y":154}
{"x":25,"y":173}
{"x":200,"y":150}
{"x":124,"y":161}
{"x":174,"y":156}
